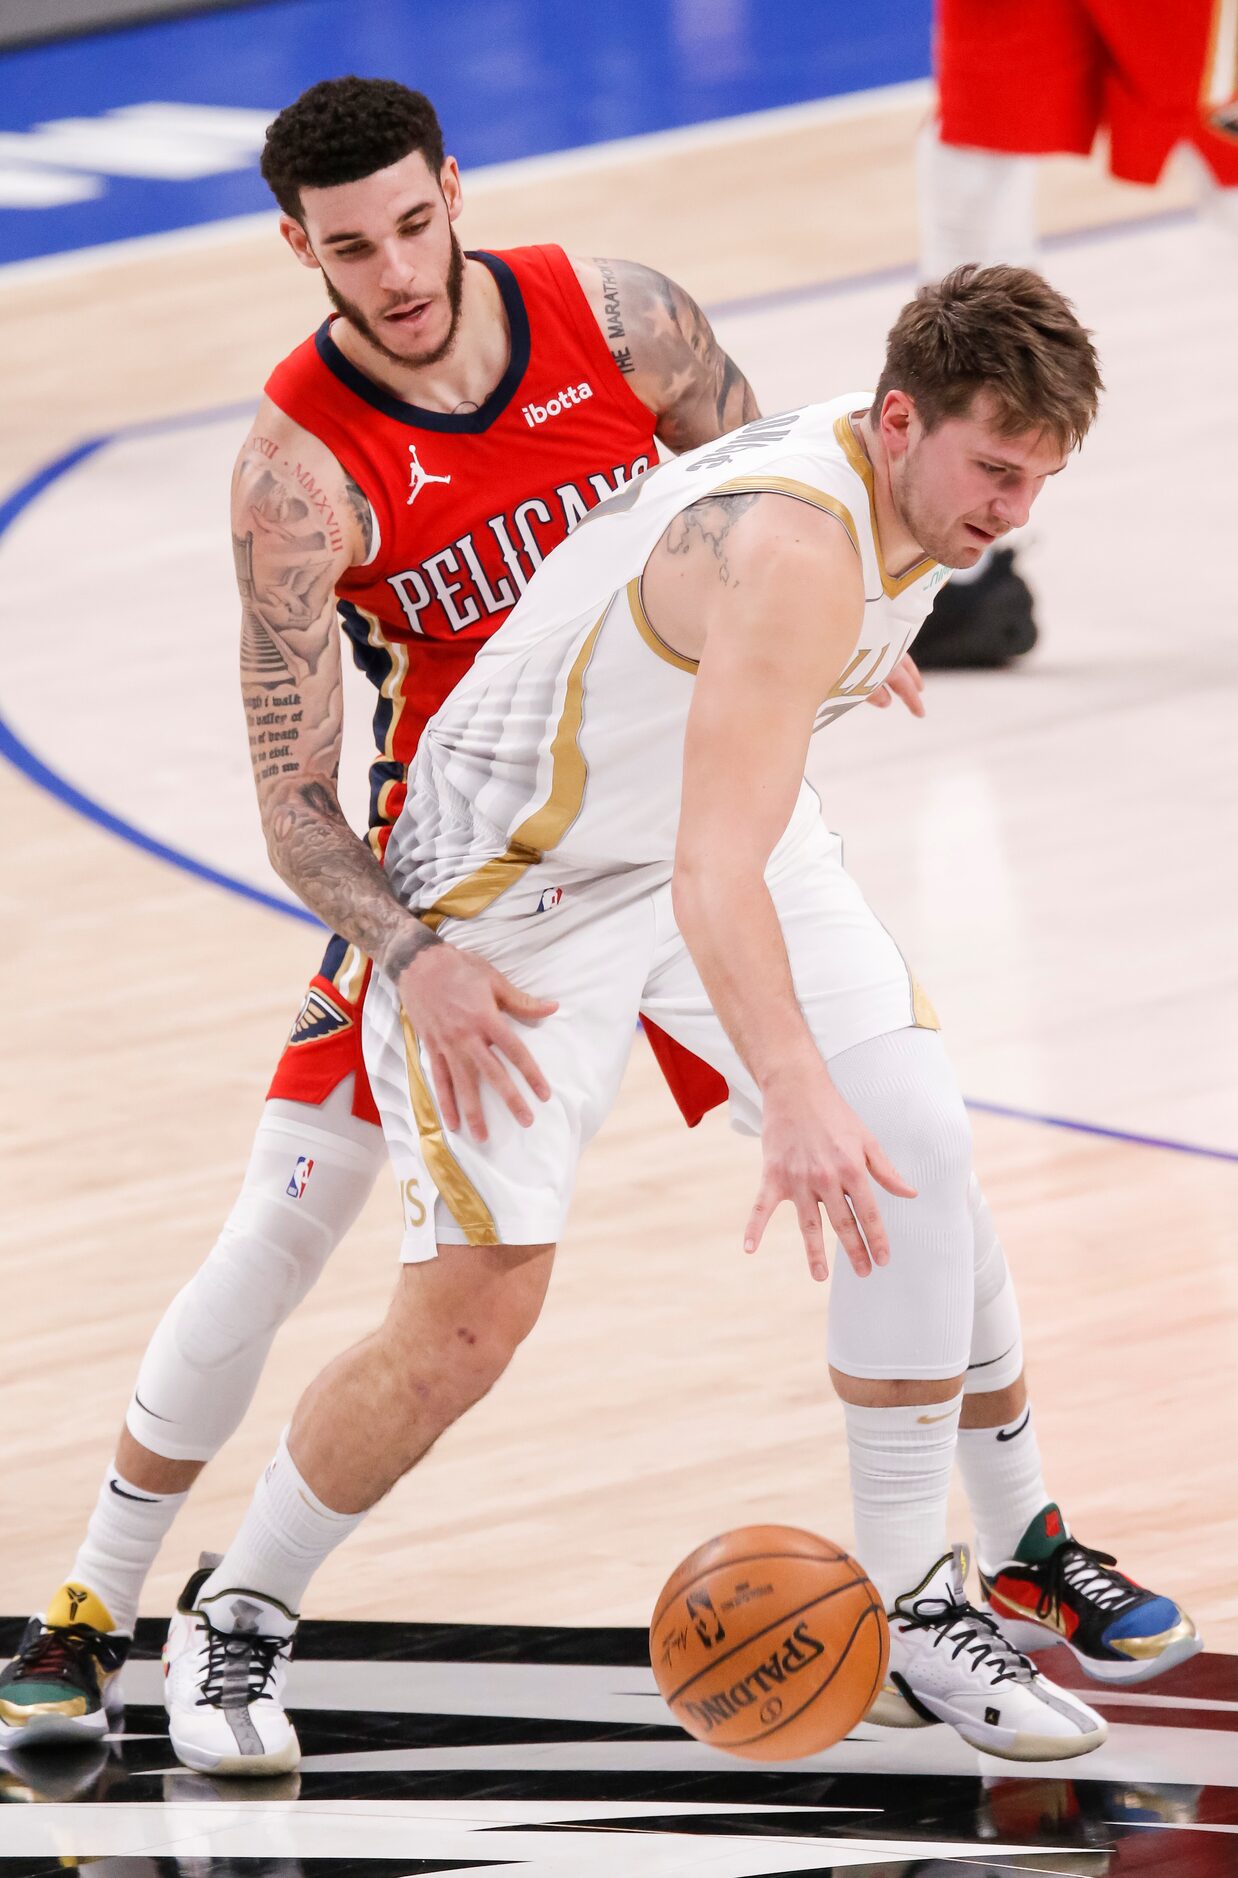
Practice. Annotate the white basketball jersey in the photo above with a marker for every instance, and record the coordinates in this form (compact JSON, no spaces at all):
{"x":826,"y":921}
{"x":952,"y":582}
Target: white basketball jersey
{"x":566,"y":737}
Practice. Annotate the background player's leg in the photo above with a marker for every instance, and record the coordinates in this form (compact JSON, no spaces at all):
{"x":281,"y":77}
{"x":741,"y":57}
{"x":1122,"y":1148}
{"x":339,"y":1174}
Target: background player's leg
{"x":203,"y":1363}
{"x":310,"y":1172}
{"x":973,"y":205}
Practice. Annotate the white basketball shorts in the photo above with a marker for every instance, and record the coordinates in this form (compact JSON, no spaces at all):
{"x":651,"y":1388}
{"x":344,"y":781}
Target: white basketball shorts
{"x":608,"y":949}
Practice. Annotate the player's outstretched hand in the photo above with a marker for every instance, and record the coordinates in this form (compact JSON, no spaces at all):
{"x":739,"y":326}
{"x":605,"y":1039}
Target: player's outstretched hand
{"x":904,"y":683}
{"x":459,"y":1006}
{"x":819,"y":1154}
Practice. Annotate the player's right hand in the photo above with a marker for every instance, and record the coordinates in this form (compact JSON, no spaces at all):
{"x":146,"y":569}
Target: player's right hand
{"x":818,"y":1153}
{"x":459,"y":1006}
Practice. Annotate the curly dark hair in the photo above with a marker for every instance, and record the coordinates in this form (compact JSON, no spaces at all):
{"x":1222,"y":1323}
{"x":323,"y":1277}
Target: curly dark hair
{"x":1002,"y":330}
{"x":343,"y":129}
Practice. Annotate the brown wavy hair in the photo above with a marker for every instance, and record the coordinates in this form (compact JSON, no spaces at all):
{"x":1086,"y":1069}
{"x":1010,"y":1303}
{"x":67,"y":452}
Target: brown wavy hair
{"x":1000,"y":330}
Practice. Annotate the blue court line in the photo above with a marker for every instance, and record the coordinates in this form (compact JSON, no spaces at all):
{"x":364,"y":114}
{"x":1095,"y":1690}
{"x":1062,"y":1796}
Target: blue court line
{"x":1165,"y":1142}
{"x":19,"y":754}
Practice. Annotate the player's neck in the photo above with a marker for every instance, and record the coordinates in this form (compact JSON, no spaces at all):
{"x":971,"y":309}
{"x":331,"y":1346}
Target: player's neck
{"x":462,"y":380}
{"x":899,"y":547}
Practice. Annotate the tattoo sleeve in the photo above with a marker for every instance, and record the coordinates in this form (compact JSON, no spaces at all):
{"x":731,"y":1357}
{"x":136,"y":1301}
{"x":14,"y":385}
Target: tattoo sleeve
{"x":290,"y":547}
{"x":663,"y":343}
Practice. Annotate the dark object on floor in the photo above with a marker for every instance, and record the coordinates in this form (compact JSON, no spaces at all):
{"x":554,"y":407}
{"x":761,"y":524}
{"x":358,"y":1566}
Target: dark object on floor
{"x":979,"y":624}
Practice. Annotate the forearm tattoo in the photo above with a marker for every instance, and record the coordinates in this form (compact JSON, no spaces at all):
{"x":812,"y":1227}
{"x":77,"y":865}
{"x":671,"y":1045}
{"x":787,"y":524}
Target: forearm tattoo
{"x":288,"y":559}
{"x":660,"y":339}
{"x":337,"y":875}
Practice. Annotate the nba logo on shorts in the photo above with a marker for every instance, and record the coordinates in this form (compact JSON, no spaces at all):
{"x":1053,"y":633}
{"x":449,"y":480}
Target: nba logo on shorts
{"x":551,"y":897}
{"x":300,"y":1178}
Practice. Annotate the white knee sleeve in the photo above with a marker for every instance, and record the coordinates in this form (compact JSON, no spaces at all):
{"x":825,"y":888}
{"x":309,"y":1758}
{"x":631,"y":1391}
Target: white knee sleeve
{"x":912,"y":1318}
{"x":996,"y":1358}
{"x":310,"y":1173}
{"x":974,"y":205}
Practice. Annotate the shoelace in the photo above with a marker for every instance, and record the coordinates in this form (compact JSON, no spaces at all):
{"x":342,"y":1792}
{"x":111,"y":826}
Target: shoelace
{"x":1080,"y":1568}
{"x":959,"y":1623}
{"x":62,"y":1650}
{"x":239,"y":1666}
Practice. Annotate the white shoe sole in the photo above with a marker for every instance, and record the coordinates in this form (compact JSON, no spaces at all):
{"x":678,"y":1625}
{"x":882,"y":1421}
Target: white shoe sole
{"x":1009,"y":1745}
{"x":1029,"y":1636}
{"x":43,"y":1731}
{"x":250,"y":1766}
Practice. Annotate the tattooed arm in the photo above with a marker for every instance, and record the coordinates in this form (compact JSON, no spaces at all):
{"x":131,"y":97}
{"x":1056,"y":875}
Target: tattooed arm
{"x":665,"y":347}
{"x":297,"y":523}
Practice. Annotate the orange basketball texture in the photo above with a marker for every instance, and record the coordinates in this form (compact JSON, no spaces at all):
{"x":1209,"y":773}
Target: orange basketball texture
{"x":769,"y":1642}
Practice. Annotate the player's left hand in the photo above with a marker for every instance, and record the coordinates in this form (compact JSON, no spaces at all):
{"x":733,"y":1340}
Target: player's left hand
{"x":905,"y":683}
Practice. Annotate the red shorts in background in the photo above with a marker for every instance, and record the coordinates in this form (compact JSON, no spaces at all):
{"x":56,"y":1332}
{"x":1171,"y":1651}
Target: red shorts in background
{"x":1035,"y":77}
{"x":324,"y":1046}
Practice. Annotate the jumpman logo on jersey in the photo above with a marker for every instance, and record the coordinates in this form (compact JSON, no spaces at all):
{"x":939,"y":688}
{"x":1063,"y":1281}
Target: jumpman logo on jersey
{"x":419,"y":477}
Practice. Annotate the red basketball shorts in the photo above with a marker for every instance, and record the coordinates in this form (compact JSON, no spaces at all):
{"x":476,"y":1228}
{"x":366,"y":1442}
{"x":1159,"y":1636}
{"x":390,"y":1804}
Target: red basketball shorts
{"x":1037,"y":76}
{"x":324,"y":1046}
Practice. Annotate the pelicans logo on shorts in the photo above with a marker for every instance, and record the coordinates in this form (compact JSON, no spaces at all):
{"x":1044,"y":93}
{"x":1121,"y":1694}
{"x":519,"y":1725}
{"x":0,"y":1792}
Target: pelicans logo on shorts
{"x":318,"y":1017}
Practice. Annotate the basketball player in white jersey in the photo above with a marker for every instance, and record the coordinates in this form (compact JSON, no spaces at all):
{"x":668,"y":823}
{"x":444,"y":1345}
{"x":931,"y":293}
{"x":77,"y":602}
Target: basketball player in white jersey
{"x":611,"y":809}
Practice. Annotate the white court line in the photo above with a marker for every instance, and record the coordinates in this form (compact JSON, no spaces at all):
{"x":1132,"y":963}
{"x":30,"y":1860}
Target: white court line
{"x":516,"y":174}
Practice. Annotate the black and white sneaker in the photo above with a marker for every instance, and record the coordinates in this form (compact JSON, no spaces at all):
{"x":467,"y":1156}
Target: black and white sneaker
{"x":224,"y":1666}
{"x":950,"y":1663}
{"x":979,"y":623}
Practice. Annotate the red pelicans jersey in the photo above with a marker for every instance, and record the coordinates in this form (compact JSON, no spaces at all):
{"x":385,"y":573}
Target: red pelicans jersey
{"x":465,"y":507}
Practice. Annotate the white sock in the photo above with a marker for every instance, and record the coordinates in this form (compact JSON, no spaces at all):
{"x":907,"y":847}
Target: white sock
{"x":125,"y":1532}
{"x":284,"y":1537}
{"x":1001,"y":1471}
{"x":901,"y":1460}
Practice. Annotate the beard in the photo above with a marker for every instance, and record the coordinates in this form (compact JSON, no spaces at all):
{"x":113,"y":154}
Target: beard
{"x":454,"y":291}
{"x":941,"y":540}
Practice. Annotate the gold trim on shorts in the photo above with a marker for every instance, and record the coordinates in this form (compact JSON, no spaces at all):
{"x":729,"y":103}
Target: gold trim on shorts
{"x":465,"y":1204}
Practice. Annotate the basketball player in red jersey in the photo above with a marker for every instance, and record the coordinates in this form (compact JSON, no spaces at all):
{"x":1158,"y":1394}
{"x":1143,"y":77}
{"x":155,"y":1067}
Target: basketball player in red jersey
{"x":1021,"y":79}
{"x":411,"y":465}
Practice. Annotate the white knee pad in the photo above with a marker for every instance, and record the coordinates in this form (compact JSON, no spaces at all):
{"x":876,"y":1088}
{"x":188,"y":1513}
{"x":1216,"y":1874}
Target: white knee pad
{"x":974,"y":205}
{"x":309,"y":1175}
{"x":996,"y":1357}
{"x":911,"y":1319}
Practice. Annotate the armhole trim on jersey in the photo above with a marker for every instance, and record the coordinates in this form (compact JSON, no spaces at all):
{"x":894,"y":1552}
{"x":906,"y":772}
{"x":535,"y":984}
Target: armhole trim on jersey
{"x":651,"y":636}
{"x":545,"y":828}
{"x":377,"y":548}
{"x":577,"y":309}
{"x":891,"y":584}
{"x":798,"y":491}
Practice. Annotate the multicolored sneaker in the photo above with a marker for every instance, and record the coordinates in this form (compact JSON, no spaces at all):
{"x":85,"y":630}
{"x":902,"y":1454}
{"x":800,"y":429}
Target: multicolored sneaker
{"x":63,"y":1684}
{"x":1055,"y":1590}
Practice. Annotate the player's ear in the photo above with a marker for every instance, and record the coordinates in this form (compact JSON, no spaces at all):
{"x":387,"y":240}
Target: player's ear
{"x":894,"y":421}
{"x":297,"y":240}
{"x":452,"y":188}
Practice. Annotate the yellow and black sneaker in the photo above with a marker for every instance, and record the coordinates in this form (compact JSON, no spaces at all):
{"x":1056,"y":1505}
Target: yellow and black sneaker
{"x":1055,"y":1590}
{"x":62,"y":1686}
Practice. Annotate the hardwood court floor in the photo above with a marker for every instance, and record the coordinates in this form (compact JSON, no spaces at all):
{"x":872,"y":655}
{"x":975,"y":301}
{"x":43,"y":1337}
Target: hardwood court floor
{"x":1055,"y":849}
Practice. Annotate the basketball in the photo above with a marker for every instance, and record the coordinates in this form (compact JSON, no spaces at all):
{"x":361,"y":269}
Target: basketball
{"x":769,"y":1642}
